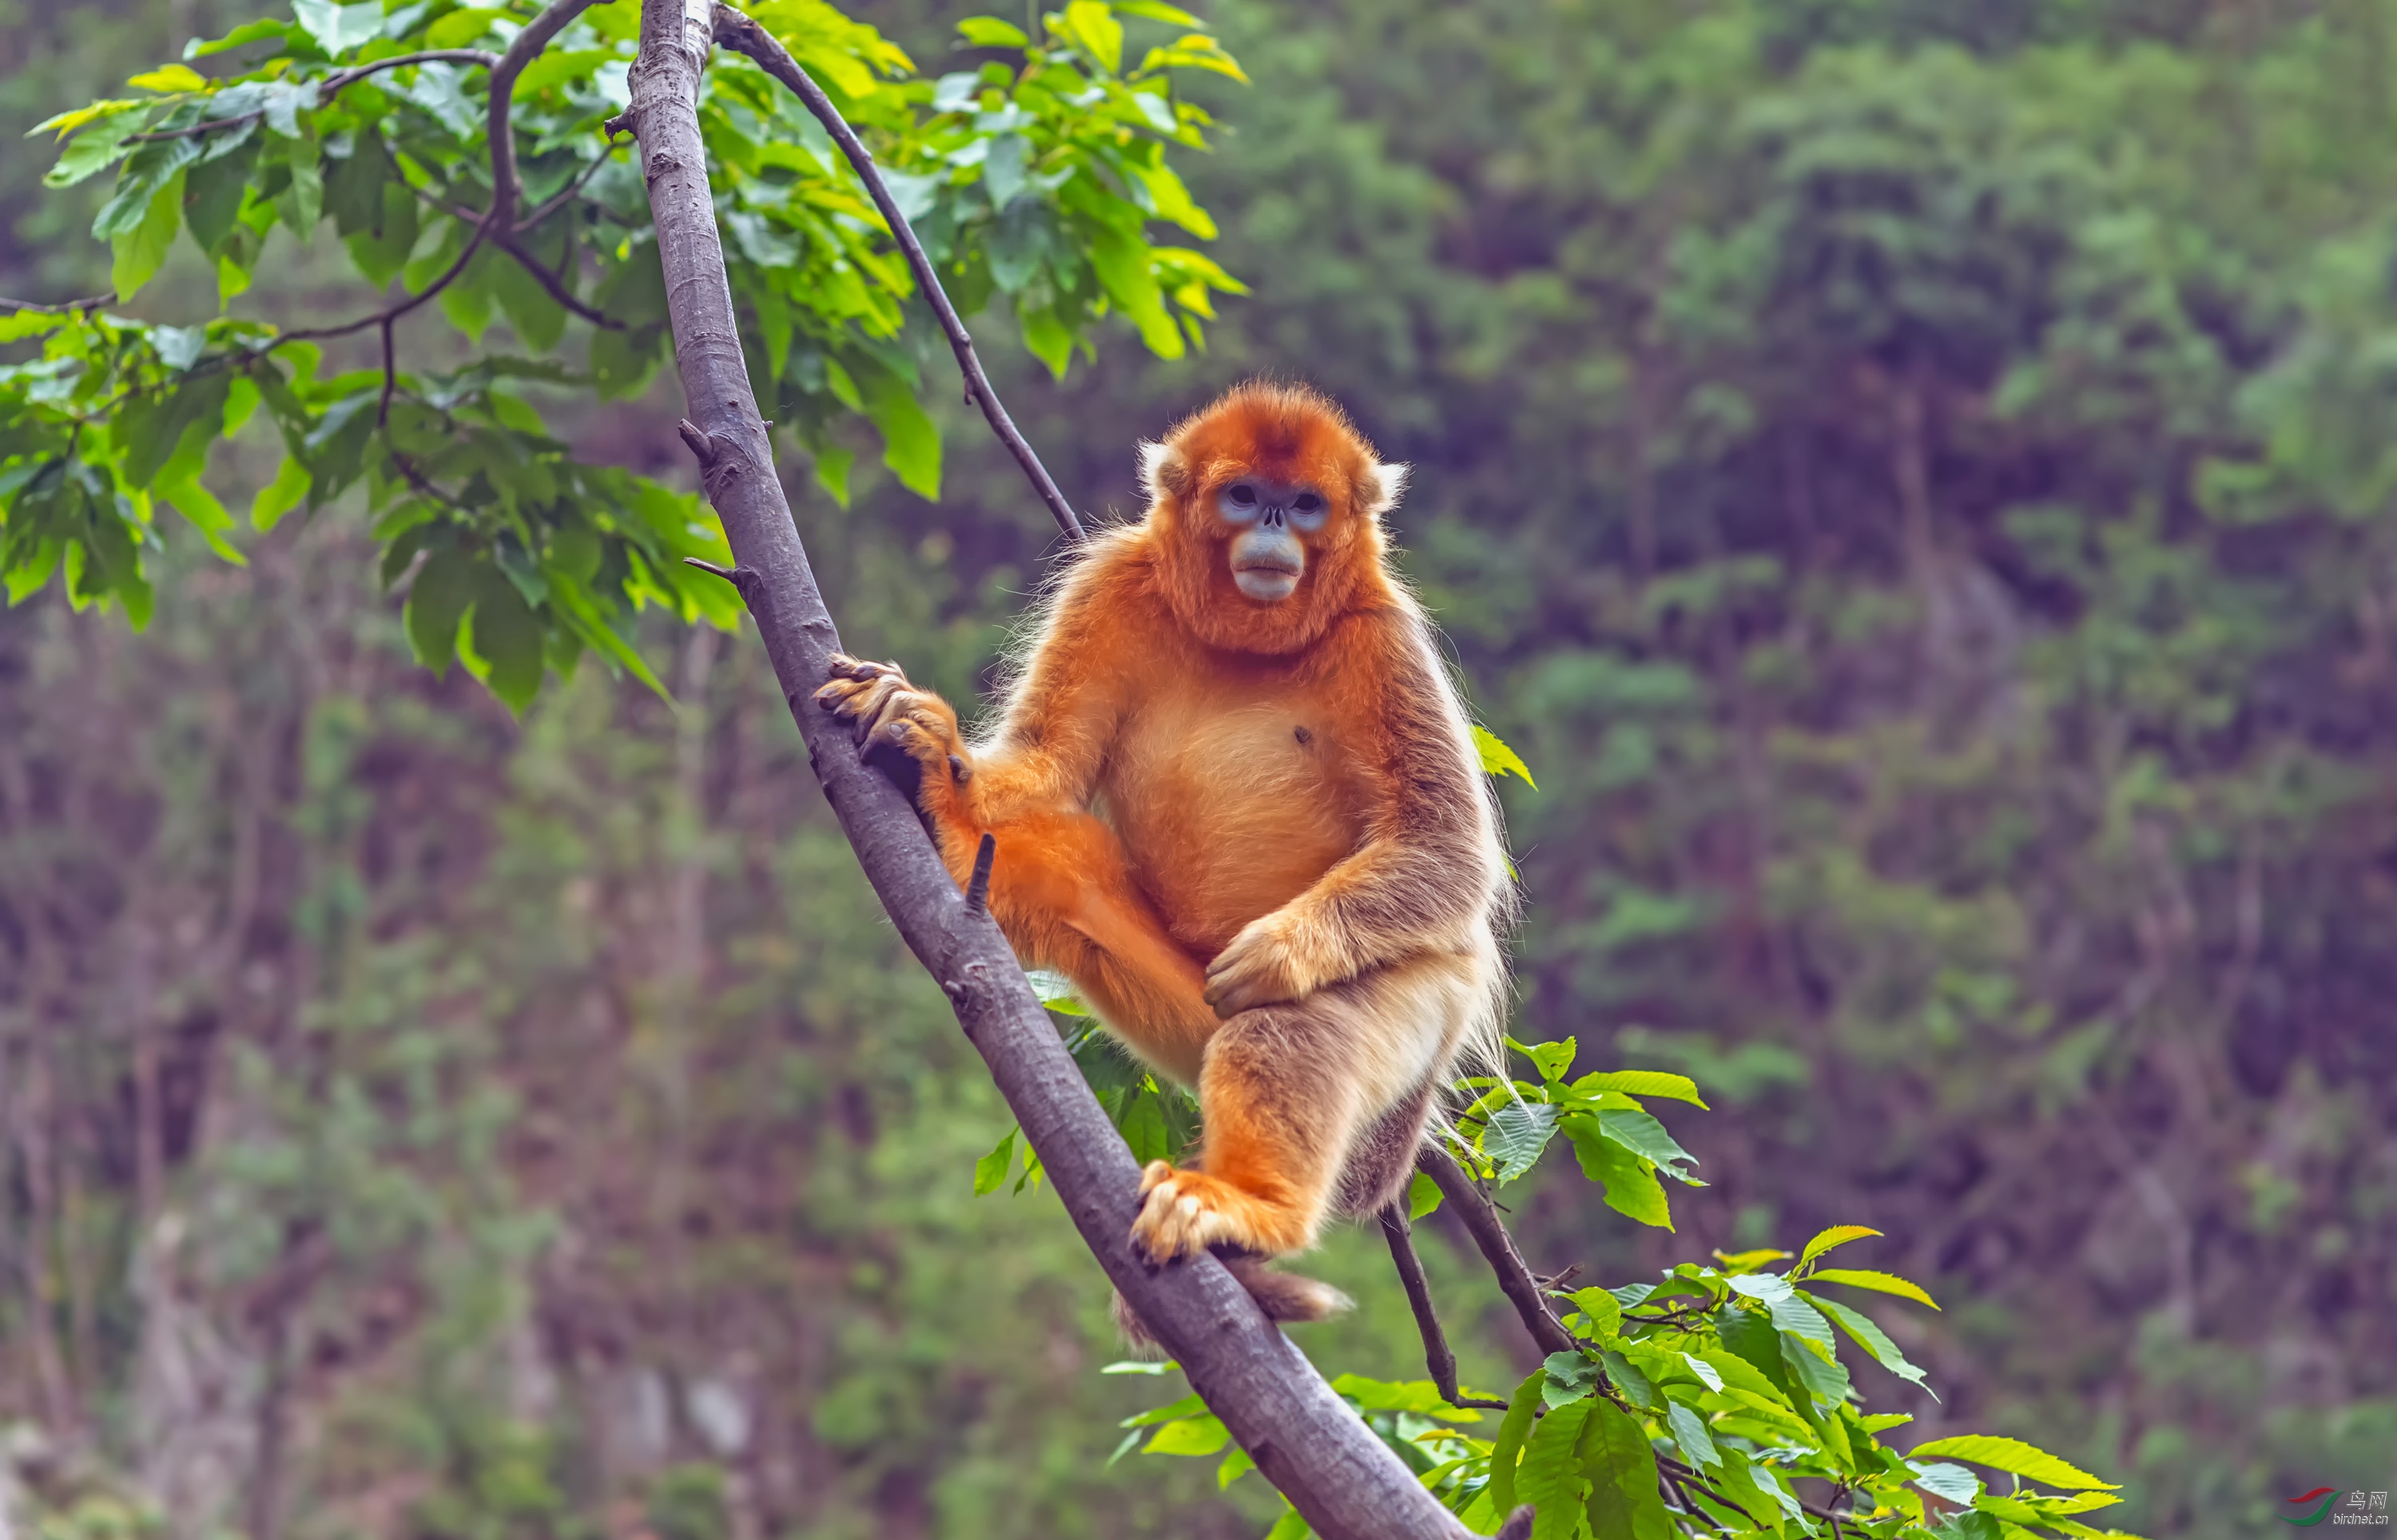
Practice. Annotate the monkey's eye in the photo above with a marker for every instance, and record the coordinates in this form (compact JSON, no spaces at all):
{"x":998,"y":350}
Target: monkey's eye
{"x":1245,"y":497}
{"x":1307,"y":503}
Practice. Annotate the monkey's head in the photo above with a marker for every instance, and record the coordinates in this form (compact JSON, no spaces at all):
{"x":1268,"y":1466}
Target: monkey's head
{"x":1265,"y":510}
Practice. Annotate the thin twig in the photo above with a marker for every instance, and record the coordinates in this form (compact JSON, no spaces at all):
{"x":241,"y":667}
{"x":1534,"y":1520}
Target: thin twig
{"x":743,"y":36}
{"x":64,"y":307}
{"x":546,"y":277}
{"x":326,"y":89}
{"x":390,"y":376}
{"x":1438,"y":1357}
{"x":1514,"y":1280}
{"x":565,"y":195}
{"x":523,"y":51}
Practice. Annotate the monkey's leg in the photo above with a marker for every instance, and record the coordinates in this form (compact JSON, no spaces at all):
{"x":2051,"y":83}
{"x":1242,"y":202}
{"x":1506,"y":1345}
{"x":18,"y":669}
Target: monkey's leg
{"x":1292,"y":1094}
{"x":1061,"y":890}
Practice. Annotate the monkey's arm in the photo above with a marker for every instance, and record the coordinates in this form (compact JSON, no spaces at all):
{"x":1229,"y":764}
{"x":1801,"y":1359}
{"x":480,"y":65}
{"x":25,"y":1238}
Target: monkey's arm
{"x":1430,"y":868}
{"x":1060,"y":886}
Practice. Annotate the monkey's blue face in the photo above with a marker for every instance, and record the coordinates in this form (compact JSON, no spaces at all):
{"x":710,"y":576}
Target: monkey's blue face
{"x":1268,"y":557}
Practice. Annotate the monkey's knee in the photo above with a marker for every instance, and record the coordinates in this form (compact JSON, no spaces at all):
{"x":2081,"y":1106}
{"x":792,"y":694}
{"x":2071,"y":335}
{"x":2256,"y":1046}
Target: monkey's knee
{"x":1382,"y":1162}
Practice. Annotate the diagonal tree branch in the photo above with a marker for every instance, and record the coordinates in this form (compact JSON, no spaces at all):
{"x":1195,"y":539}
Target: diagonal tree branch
{"x":1438,"y":1357}
{"x":1345,"y":1482}
{"x":743,"y":36}
{"x":1497,"y":1247}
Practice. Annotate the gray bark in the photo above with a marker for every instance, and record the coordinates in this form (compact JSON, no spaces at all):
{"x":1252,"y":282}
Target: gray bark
{"x":1347,"y":1484}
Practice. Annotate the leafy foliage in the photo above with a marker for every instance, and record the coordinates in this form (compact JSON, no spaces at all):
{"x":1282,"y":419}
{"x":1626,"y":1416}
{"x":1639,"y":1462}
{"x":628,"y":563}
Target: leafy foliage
{"x":1729,"y":1373}
{"x":1036,"y":180}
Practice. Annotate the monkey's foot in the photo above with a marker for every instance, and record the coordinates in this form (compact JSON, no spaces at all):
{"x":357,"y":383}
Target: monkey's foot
{"x":1184,"y":1212}
{"x":885,"y":708}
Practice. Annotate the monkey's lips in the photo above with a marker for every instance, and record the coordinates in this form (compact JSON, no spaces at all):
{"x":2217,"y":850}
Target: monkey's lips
{"x":1266,"y":577}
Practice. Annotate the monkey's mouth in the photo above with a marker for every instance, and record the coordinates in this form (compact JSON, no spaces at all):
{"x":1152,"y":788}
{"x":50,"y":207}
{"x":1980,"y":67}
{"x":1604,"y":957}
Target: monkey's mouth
{"x":1266,"y":577}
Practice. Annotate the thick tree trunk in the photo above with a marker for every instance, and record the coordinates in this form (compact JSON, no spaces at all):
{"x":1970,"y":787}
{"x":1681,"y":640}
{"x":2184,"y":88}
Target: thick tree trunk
{"x":1346,"y":1482}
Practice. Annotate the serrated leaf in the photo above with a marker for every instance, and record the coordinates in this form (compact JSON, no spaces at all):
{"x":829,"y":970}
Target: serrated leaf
{"x":1953,"y":1482}
{"x":508,"y":639}
{"x":1423,"y":1197}
{"x":1552,"y":1059}
{"x":1497,"y":759}
{"x":1549,"y":1477}
{"x":1872,"y":1339}
{"x":1641,"y":1082}
{"x":1880,"y":1282}
{"x":1621,"y":1464}
{"x":1642,"y":1134}
{"x":1838,"y":1235}
{"x":2015,"y":1457}
{"x":1690,"y":1432}
{"x":1604,"y":1310}
{"x":1516,"y":1135}
{"x":1631,"y":1186}
{"x":1522,"y":1407}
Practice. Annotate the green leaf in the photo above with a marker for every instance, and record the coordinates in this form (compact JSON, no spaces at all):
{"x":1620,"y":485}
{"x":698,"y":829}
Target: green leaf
{"x":1522,"y":1407}
{"x":1751,"y":1336}
{"x":213,"y":191}
{"x":92,"y":150}
{"x":1123,"y":266}
{"x":1822,"y":1375}
{"x":1499,"y":760}
{"x":1517,"y":1133}
{"x":1055,"y":990}
{"x":1624,"y":1502}
{"x":911,"y":444}
{"x":1236,"y":1463}
{"x":1631,"y":1186}
{"x":990,"y":1172}
{"x":1641,"y":1082}
{"x":201,"y":507}
{"x":1953,"y":1482}
{"x":138,"y":253}
{"x":1550,"y":1478}
{"x":1604,"y":1310}
{"x":382,"y":251}
{"x":1423,"y":1197}
{"x":990,"y":32}
{"x":339,"y":29}
{"x":508,"y":639}
{"x":1189,"y":1435}
{"x":1144,"y":1128}
{"x":2015,"y":1457}
{"x":1880,"y":1282}
{"x":1690,"y":1432}
{"x":1643,"y":1136}
{"x":1838,"y":1235}
{"x":1089,"y":24}
{"x":1870,"y":1337}
{"x":303,"y":203}
{"x":462,"y":27}
{"x":1552,"y":1059}
{"x":436,"y":602}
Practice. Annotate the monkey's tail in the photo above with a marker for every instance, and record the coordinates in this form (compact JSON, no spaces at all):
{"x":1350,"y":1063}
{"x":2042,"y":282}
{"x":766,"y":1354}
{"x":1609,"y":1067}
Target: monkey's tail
{"x":1282,"y":1297}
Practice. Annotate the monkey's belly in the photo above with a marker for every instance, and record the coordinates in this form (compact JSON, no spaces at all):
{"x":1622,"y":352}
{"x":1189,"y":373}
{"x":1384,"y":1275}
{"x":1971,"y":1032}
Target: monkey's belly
{"x":1230,"y":818}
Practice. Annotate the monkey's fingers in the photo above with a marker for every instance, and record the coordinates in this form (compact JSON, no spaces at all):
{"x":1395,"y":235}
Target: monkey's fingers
{"x":1252,"y":971}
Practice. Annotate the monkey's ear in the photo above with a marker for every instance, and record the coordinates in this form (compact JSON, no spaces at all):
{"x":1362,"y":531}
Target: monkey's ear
{"x":1384,"y":486}
{"x":1162,"y":470}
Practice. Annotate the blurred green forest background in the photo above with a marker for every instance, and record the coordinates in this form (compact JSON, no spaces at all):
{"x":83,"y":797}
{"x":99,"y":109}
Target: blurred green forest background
{"x":1914,"y":478}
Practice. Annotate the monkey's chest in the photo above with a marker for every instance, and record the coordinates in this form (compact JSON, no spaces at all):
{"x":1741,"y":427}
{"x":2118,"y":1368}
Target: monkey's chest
{"x":1228,"y":811}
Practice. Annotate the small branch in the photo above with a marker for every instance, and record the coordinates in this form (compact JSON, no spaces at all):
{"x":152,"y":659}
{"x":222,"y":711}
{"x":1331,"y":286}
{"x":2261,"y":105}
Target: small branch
{"x":64,"y":307}
{"x":1438,"y":1357}
{"x":326,"y":89}
{"x":743,"y":36}
{"x":564,"y":196}
{"x":1514,"y":1280}
{"x":390,"y":376}
{"x":501,"y":219}
{"x":548,"y":278}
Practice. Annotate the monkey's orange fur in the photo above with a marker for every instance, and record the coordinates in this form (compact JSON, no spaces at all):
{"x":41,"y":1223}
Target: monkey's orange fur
{"x":1291,"y":895}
